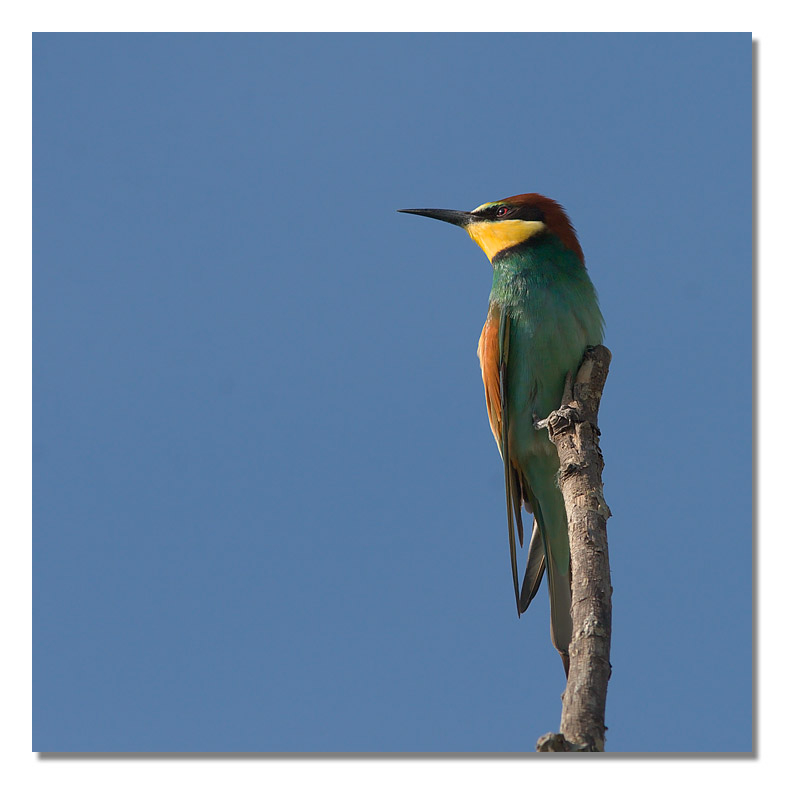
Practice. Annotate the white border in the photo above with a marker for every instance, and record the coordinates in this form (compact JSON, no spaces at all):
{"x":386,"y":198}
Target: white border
{"x":18,"y":764}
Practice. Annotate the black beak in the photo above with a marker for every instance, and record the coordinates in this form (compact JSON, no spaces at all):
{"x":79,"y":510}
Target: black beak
{"x":457,"y":217}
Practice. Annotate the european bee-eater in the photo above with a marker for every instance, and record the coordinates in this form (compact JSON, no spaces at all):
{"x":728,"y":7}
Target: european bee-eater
{"x":543,"y":313}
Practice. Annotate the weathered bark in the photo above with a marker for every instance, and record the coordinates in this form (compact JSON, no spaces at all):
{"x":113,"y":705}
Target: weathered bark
{"x":573,"y":429}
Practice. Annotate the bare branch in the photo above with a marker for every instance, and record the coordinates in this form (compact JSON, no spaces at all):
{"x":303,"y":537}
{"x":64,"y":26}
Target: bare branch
{"x":573,"y":429}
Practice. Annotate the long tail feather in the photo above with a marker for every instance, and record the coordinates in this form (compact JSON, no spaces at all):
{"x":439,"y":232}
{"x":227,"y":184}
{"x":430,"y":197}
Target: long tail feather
{"x":510,"y":475}
{"x":535,"y":567}
{"x":550,"y":548}
{"x":561,"y":615}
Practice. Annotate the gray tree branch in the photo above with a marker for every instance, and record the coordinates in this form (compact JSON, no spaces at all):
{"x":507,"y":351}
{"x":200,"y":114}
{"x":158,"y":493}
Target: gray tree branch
{"x":573,"y":429}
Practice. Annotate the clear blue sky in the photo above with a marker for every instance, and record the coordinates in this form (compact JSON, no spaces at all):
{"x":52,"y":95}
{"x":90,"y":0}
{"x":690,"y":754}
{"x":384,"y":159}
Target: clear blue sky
{"x":268,"y":509}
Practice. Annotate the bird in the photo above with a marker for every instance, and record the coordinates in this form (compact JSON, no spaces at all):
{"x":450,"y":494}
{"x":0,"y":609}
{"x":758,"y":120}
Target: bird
{"x":543,"y":313}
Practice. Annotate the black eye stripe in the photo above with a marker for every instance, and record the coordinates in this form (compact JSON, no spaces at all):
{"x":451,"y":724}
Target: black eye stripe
{"x":520,"y":213}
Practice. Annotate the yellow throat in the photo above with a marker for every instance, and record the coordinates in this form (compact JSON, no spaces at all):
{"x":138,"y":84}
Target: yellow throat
{"x":495,"y":236}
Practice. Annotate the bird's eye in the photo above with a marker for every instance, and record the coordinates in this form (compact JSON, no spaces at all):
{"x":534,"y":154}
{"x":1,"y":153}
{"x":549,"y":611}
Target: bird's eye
{"x":502,"y":211}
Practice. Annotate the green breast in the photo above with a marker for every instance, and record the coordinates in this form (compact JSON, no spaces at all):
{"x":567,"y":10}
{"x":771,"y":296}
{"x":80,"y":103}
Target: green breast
{"x":554,"y":317}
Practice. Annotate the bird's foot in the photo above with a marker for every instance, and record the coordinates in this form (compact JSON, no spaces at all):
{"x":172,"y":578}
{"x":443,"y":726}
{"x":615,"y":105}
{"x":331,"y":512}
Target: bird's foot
{"x":556,"y":421}
{"x":538,"y":423}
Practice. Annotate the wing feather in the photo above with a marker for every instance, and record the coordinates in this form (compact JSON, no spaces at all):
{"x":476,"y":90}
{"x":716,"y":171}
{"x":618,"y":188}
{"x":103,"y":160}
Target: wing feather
{"x":511,"y":480}
{"x":488,"y":352}
{"x":493,"y":352}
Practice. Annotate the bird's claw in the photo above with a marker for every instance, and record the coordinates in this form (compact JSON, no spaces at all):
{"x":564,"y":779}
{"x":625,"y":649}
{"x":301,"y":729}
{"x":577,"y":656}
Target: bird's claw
{"x":539,"y":424}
